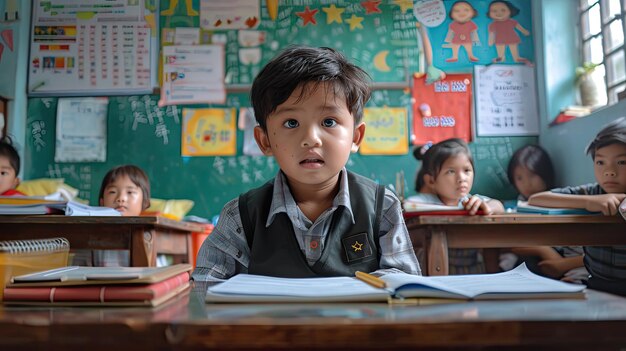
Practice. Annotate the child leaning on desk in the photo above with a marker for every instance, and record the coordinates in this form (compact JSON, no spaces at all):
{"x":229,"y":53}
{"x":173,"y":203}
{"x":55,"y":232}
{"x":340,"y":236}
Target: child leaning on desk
{"x":530,"y":171}
{"x":446,"y":178}
{"x":606,"y":264}
{"x":9,"y":168}
{"x":315,"y":218}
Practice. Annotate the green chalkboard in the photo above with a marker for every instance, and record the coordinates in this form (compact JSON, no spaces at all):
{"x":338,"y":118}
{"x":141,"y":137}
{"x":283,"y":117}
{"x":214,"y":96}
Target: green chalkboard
{"x":141,"y":133}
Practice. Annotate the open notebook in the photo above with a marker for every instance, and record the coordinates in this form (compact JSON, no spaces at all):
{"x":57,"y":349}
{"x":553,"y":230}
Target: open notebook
{"x":519,"y":283}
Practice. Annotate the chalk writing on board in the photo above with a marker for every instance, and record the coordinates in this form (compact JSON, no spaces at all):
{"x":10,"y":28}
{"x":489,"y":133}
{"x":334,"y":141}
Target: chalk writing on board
{"x":146,"y":112}
{"x":38,"y":130}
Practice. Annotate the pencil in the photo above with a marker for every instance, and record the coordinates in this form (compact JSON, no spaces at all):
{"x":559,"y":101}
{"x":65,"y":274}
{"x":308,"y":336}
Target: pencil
{"x":371,"y":280}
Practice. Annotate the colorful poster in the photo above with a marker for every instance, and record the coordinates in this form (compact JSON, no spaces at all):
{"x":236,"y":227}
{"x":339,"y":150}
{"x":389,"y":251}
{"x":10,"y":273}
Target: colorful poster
{"x":91,"y":48}
{"x":506,"y":101}
{"x":386,"y":131}
{"x":209,"y":132}
{"x":232,"y":14}
{"x":193,"y":74}
{"x":443,"y":109}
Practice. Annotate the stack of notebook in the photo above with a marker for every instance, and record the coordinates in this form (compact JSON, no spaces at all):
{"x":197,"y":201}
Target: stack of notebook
{"x":99,"y":286}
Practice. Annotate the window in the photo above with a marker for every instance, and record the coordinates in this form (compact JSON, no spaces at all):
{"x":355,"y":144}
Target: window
{"x":603,"y":30}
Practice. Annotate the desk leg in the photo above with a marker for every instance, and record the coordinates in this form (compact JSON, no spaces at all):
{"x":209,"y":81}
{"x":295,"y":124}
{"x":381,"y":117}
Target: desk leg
{"x":437,"y":252}
{"x":142,"y":253}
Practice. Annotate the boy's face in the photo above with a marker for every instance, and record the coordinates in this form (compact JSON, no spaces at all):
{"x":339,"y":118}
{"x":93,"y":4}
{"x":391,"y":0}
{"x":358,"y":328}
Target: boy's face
{"x":610,"y":168}
{"x":312,"y":138}
{"x":454,"y":180}
{"x":8,"y":178}
{"x":124,"y":196}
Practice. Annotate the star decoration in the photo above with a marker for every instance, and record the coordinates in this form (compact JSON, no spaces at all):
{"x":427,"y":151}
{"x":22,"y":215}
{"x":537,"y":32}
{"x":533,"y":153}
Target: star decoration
{"x":355,"y":22}
{"x":404,"y":4}
{"x":357,"y":246}
{"x":333,"y":14}
{"x":371,"y":6}
{"x":308,"y":16}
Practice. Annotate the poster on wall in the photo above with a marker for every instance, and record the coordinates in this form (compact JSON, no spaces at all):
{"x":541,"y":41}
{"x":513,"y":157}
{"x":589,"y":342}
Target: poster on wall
{"x":386,"y":131}
{"x":506,"y":102}
{"x":81,"y":130}
{"x":209,"y":132}
{"x":443,"y":109}
{"x":103,"y":47}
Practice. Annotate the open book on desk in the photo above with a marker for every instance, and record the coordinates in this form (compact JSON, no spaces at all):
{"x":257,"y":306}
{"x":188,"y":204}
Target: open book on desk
{"x":519,"y":283}
{"x":524,"y":207}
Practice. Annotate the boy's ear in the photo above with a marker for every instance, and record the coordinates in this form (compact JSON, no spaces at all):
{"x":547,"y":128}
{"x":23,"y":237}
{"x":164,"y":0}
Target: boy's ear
{"x":262,"y":141}
{"x":16,"y":182}
{"x":101,"y":202}
{"x":357,"y":138}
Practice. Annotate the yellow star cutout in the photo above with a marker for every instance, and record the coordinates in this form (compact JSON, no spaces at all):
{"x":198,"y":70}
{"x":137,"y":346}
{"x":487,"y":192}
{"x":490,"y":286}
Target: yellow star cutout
{"x":357,"y":246}
{"x":404,"y":4}
{"x":333,"y":14}
{"x":355,"y":22}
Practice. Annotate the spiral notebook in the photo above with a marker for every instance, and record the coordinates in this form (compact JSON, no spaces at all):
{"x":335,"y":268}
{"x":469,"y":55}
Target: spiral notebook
{"x":19,"y":257}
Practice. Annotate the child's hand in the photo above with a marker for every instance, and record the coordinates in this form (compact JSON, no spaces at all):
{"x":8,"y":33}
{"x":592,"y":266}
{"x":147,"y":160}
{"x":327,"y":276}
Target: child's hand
{"x":608,"y":204}
{"x":474,"y":203}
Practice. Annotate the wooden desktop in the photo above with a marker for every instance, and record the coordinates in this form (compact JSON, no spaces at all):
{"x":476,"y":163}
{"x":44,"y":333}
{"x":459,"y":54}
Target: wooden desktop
{"x":144,"y":236}
{"x":596,"y":323}
{"x":435,"y":234}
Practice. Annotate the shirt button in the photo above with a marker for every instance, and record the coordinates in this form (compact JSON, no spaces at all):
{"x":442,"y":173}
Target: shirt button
{"x":238,"y":254}
{"x":238,"y":230}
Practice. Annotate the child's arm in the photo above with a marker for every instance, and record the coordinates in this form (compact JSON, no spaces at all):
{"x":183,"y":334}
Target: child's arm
{"x":555,"y":268}
{"x":608,"y":204}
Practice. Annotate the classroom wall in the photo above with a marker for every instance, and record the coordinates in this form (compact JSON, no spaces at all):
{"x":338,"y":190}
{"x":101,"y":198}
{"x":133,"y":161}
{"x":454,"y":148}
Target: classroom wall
{"x":13,"y":68}
{"x":566,"y":142}
{"x":211,"y":181}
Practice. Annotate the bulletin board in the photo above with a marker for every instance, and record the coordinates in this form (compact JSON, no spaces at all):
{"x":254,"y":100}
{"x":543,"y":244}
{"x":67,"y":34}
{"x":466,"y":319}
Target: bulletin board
{"x":99,"y":47}
{"x":142,"y":133}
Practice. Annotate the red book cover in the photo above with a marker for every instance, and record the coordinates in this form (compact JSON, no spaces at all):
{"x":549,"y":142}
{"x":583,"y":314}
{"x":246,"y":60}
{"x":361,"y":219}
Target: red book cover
{"x":97,"y":293}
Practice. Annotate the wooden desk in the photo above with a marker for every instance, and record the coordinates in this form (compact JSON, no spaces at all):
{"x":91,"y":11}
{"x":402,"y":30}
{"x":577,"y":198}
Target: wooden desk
{"x":144,"y":236}
{"x":188,"y":324}
{"x":438,"y":233}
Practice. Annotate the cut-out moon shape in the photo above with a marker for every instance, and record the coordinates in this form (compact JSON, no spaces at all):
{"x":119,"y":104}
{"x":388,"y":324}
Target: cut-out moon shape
{"x":380,"y":61}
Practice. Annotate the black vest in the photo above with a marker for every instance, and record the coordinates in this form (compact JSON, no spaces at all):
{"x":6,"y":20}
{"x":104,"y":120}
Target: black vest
{"x":348,"y":247}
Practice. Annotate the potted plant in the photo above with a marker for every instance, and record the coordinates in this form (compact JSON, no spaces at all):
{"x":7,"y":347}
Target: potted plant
{"x":590,"y":85}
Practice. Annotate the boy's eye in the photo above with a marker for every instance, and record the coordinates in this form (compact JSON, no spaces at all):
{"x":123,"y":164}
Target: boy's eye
{"x":621,"y":162}
{"x":599,"y":162}
{"x":329,"y":122}
{"x":291,"y":123}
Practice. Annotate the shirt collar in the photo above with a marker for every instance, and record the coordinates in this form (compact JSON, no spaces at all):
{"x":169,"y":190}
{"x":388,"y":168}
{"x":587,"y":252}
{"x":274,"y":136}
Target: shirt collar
{"x":282,"y":198}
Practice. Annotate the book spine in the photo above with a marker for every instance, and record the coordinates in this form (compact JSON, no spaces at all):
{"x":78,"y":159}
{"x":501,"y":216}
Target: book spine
{"x":96,"y":293}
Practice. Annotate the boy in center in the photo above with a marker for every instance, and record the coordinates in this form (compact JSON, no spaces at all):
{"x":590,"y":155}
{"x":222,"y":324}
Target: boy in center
{"x":314,"y":218}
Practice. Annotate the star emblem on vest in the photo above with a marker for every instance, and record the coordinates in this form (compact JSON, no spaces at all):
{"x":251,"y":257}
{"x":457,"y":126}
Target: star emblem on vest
{"x":357,"y":247}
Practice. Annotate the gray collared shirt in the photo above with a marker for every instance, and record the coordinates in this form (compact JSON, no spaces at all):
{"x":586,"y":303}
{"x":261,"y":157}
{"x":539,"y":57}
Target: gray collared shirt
{"x":226,"y":253}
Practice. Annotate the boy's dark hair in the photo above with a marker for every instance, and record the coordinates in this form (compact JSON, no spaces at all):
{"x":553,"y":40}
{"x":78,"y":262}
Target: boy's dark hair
{"x":512,"y":8}
{"x":136,"y":175}
{"x":8,"y":150}
{"x":535,"y":159}
{"x":465,"y":2}
{"x":612,"y":133}
{"x":299,"y":65}
{"x":434,"y":157}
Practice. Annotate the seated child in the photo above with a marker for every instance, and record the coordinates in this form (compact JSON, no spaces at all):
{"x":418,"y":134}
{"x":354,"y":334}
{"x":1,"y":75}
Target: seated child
{"x":126,"y":189}
{"x":606,"y":264}
{"x":9,"y":168}
{"x":446,"y":178}
{"x":530,"y":171}
{"x":314,"y":218}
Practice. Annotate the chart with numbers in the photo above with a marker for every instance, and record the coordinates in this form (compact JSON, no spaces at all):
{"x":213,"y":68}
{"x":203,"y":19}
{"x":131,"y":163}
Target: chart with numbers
{"x":506,"y":101}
